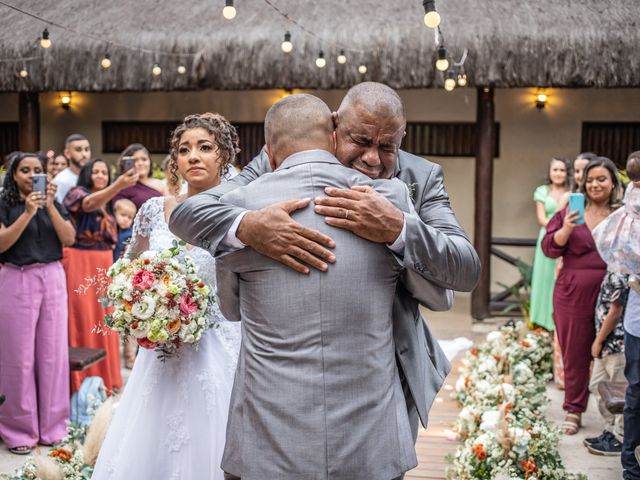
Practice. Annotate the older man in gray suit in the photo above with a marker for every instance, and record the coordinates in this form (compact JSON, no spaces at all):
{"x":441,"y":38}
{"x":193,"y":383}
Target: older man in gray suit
{"x":370,"y":124}
{"x":317,"y":394}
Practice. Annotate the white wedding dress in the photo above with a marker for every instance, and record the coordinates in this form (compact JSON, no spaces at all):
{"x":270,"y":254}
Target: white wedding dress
{"x":171,"y":420}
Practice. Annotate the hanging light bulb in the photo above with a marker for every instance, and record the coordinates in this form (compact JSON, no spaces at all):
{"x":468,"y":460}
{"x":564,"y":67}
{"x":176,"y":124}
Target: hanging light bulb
{"x":106,"y":61}
{"x":462,"y":79}
{"x":229,"y":11}
{"x":320,"y":61}
{"x":156,"y":70}
{"x":45,"y":41}
{"x":442,"y":63}
{"x":24,"y":73}
{"x":287,"y":46}
{"x":450,"y":80}
{"x":431,"y":17}
{"x":342,"y":58}
{"x":362,"y":69}
{"x":182,"y":69}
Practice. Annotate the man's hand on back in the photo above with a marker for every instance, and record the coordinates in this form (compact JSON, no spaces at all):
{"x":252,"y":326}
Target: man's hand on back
{"x":363,"y":211}
{"x":271,"y":232}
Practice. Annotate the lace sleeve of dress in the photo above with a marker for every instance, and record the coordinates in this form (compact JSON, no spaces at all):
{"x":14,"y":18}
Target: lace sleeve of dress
{"x":146,"y":219}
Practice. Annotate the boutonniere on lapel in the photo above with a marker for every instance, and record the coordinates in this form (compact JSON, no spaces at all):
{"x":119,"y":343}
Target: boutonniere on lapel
{"x":412,"y":189}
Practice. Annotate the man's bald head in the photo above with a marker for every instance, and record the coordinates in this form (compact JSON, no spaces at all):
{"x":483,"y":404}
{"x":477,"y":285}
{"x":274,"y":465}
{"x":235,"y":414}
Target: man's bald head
{"x":375,"y":98}
{"x":297,"y":123}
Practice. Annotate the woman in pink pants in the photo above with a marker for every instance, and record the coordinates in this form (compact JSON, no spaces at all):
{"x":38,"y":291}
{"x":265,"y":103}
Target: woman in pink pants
{"x":34,"y":358}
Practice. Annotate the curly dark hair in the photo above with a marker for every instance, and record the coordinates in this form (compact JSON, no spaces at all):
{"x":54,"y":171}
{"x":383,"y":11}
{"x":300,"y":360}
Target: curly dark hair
{"x":224,"y":134}
{"x":10,"y":193}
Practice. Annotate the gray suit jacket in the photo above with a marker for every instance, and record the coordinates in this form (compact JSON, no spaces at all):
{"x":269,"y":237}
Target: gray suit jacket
{"x":437,"y":256}
{"x":317,"y":394}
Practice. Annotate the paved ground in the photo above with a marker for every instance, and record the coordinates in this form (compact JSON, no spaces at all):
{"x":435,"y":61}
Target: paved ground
{"x":434,"y":443}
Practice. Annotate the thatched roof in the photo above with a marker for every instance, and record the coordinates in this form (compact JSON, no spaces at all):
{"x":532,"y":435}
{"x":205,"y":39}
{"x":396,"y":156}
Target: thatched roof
{"x":512,"y":43}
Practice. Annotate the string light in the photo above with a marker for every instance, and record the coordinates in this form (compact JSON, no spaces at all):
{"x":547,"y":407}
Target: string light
{"x":342,"y":58}
{"x":431,"y":17}
{"x":106,"y":61}
{"x":450,"y":80}
{"x":156,"y":70}
{"x":182,"y":69}
{"x":229,"y":11}
{"x":442,"y":63}
{"x":287,"y":46}
{"x":320,"y":61}
{"x":462,"y":79}
{"x":45,"y":41}
{"x":24,"y":73}
{"x":362,"y":69}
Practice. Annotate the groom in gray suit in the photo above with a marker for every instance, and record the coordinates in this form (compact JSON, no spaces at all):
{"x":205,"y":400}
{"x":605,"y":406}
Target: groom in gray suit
{"x":432,"y":245}
{"x":317,"y":393}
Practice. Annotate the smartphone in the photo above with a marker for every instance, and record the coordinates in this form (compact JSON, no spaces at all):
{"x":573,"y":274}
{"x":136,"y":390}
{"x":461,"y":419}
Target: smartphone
{"x":127,"y":164}
{"x":576,"y":202}
{"x":39,"y":183}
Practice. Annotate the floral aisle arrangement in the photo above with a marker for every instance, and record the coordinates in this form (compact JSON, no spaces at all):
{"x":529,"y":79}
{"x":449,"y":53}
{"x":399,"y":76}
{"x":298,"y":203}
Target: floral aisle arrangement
{"x":502,"y":391}
{"x":75,"y":456}
{"x":159,"y":299}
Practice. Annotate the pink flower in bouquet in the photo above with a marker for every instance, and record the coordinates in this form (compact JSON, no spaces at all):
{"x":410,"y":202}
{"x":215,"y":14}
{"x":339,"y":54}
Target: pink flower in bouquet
{"x":143,"y":280}
{"x":146,"y":343}
{"x":188,"y":305}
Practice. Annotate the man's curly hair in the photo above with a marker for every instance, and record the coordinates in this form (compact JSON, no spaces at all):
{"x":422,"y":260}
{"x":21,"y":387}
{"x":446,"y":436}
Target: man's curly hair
{"x":224,"y":134}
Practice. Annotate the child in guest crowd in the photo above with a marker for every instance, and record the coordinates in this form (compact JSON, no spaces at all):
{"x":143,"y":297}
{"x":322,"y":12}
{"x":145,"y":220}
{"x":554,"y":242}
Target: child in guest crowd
{"x":608,"y":359}
{"x":34,"y":356}
{"x":620,"y":231}
{"x":125,"y":211}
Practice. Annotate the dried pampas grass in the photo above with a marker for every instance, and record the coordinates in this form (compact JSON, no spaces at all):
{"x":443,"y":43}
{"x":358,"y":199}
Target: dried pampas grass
{"x":97,"y":432}
{"x":47,"y":468}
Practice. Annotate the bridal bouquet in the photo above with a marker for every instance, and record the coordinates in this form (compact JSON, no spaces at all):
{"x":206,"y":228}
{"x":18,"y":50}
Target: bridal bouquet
{"x":159,"y":299}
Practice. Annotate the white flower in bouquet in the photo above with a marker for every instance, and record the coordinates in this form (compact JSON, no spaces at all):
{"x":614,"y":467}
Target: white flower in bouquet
{"x":144,"y":307}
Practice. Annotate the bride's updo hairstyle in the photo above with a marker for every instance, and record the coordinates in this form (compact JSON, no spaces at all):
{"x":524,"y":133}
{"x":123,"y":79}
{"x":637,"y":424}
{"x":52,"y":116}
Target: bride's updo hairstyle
{"x":224,"y":135}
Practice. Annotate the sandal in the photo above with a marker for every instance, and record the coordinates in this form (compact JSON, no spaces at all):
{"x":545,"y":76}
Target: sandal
{"x":572,"y":423}
{"x":22,"y":450}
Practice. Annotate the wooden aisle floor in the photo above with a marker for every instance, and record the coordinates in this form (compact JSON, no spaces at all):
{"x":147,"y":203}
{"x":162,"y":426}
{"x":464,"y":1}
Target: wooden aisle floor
{"x":437,"y":441}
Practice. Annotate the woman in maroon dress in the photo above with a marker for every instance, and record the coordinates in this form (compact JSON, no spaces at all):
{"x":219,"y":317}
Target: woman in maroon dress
{"x":577,"y":286}
{"x":147,"y":187}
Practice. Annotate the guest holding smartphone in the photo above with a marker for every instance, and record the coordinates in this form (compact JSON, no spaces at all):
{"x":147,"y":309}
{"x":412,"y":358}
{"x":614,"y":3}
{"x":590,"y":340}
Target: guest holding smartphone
{"x":96,"y":237}
{"x":146,"y":187}
{"x":34,"y":357}
{"x":578,"y":284}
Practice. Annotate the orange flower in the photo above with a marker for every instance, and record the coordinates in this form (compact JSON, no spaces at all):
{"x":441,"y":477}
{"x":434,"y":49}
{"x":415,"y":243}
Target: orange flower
{"x":529,"y":467}
{"x":127,"y":306}
{"x":173,"y":326}
{"x":166,"y":279}
{"x":62,"y":453}
{"x":525,"y":344}
{"x":474,"y":351}
{"x":479,"y":451}
{"x":508,"y":408}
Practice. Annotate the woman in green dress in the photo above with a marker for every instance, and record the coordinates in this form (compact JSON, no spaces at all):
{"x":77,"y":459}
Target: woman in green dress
{"x":546,"y":197}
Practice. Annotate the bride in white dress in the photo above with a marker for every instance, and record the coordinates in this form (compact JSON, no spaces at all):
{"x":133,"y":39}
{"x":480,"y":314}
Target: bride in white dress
{"x":171,"y":420}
